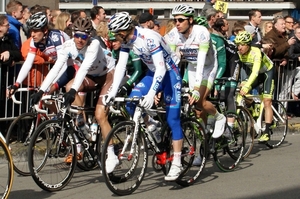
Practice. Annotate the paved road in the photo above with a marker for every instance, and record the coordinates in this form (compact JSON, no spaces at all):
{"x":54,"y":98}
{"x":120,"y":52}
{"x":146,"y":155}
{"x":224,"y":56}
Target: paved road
{"x":265,"y":174}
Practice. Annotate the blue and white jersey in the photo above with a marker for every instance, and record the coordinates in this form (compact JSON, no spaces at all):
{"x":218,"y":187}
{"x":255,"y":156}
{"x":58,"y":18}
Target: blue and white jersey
{"x":53,"y":44}
{"x":147,"y":43}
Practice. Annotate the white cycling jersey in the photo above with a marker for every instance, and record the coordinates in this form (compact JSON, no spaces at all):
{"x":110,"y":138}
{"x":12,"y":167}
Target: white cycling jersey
{"x":153,"y":50}
{"x":91,"y":60}
{"x":198,"y":51}
{"x":53,"y":45}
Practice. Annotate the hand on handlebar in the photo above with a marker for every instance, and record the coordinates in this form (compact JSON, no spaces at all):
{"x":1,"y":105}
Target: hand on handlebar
{"x":11,"y":90}
{"x":36,"y":97}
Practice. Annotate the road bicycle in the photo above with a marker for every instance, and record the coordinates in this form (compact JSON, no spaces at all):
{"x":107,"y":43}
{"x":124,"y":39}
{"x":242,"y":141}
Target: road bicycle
{"x":130,"y":145}
{"x":226,"y":153}
{"x":279,"y":126}
{"x":21,"y":129}
{"x":6,"y":169}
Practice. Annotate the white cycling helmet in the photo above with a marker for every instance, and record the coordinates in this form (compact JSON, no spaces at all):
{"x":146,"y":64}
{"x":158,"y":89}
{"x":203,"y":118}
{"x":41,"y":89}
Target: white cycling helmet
{"x":37,"y":21}
{"x":119,"y":21}
{"x":183,"y":9}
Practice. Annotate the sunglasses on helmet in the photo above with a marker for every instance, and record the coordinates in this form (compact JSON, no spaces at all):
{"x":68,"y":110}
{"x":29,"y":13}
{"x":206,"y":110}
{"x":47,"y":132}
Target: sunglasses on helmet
{"x":82,"y":36}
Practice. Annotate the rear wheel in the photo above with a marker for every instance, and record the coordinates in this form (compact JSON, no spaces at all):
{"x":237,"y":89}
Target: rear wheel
{"x":18,"y":137}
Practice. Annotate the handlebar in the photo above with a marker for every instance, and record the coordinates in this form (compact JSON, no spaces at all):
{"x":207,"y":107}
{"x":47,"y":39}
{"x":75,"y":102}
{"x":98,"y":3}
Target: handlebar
{"x":13,"y":97}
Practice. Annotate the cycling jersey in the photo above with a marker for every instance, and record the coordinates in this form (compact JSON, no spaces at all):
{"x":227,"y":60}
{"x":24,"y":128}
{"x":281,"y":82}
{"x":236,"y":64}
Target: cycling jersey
{"x":257,"y":62}
{"x":135,"y":69}
{"x":91,"y":60}
{"x":198,"y":51}
{"x":53,"y":45}
{"x":157,"y":55}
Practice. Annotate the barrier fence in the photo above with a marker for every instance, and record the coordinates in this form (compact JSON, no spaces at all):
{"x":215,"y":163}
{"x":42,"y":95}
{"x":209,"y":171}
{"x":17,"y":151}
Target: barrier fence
{"x":287,"y":81}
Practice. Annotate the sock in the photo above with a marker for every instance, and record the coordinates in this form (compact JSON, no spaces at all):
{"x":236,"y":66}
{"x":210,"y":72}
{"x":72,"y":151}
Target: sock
{"x":218,"y":116}
{"x":110,"y":151}
{"x":177,"y":159}
{"x":268,"y":125}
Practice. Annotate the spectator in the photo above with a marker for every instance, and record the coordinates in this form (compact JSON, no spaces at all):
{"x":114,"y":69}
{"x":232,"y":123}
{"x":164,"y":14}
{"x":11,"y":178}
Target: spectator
{"x":170,"y":25}
{"x":211,"y":16}
{"x":235,"y":30}
{"x":289,"y":22}
{"x":267,"y":26}
{"x":63,"y":23}
{"x":102,"y":35}
{"x":76,"y":14}
{"x":156,"y":25}
{"x":24,"y":32}
{"x":54,"y":14}
{"x":97,"y":15}
{"x":9,"y":53}
{"x":280,"y":52}
{"x":294,"y":53}
{"x":255,"y":20}
{"x":14,"y":13}
{"x":146,"y":20}
{"x":208,"y":5}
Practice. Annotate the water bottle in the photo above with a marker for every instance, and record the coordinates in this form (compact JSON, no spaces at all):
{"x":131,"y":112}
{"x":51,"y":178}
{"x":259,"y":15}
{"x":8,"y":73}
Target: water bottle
{"x":94,"y":131}
{"x":83,"y":127}
{"x":155,"y":131}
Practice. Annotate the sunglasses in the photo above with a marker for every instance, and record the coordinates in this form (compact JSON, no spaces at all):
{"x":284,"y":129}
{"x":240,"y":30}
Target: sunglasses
{"x":180,"y":20}
{"x":82,"y":36}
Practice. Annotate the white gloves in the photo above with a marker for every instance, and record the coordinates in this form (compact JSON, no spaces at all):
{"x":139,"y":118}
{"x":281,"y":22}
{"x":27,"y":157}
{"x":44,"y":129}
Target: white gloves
{"x":107,"y":98}
{"x":147,"y":101}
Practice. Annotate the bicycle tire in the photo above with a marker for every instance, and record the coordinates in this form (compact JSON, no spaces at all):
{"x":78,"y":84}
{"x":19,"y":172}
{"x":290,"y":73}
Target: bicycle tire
{"x":248,"y":122}
{"x":47,"y":157}
{"x":18,"y":138}
{"x":279,"y":126}
{"x":7,"y":170}
{"x":129,"y":174}
{"x":194,"y":145}
{"x":226,"y":155}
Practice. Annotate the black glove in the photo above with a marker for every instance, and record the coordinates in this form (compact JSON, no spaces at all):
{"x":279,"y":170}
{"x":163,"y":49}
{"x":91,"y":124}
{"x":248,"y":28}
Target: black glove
{"x":124,"y":90}
{"x":36,"y":97}
{"x":69,"y":97}
{"x":12,"y":89}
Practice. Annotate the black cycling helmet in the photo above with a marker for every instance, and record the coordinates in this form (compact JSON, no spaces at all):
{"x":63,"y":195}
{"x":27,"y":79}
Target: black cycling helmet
{"x":83,"y":25}
{"x":37,"y":21}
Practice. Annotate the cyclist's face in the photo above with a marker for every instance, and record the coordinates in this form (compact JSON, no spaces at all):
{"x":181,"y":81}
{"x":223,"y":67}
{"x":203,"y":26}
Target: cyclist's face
{"x":37,"y":35}
{"x":81,"y":39}
{"x":243,"y":48}
{"x":182,"y":23}
{"x":116,"y":45}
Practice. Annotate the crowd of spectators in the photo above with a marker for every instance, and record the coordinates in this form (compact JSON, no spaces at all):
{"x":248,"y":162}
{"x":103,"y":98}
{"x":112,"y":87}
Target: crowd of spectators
{"x":280,"y":37}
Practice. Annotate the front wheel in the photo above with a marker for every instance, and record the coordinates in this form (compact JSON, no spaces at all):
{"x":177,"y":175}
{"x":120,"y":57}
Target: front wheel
{"x":194,"y":151}
{"x":129,"y":173}
{"x":47,"y":158}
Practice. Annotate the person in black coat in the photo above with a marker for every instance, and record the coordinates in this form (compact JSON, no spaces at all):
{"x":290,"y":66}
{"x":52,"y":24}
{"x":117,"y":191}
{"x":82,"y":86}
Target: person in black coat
{"x":9,"y":54}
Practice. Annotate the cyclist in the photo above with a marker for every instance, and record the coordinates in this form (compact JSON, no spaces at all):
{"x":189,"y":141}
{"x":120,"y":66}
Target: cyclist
{"x":95,"y":71}
{"x":163,"y":71}
{"x":44,"y":42}
{"x":195,"y":45}
{"x":256,"y":68}
{"x":135,"y":69}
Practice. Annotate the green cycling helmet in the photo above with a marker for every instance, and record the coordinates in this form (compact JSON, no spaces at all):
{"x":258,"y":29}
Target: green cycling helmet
{"x":201,"y":20}
{"x":243,"y":37}
{"x":111,"y":36}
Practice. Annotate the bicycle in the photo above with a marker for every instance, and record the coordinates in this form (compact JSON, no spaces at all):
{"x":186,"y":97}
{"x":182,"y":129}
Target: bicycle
{"x":6,"y":168}
{"x":279,"y":126}
{"x":226,"y":155}
{"x":129,"y":140}
{"x":21,"y":129}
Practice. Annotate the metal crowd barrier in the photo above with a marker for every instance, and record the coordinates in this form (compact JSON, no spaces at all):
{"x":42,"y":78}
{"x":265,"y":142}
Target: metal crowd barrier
{"x":287,"y":81}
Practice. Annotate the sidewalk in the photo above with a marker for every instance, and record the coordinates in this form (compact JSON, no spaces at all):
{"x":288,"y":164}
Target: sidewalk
{"x":294,"y":125}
